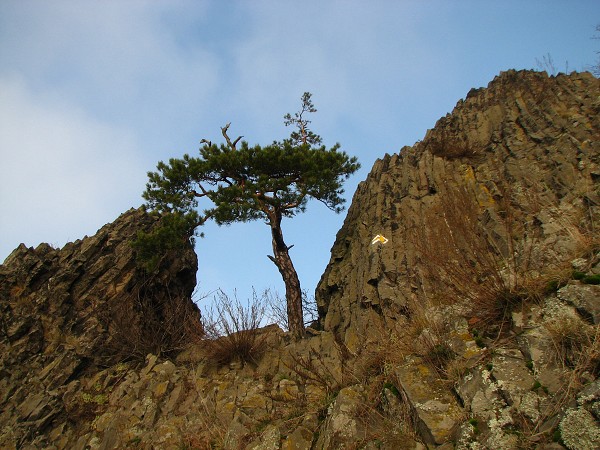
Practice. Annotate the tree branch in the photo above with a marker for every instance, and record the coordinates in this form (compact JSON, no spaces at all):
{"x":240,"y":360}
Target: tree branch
{"x":205,"y":193}
{"x":229,"y":143}
{"x":202,"y":220}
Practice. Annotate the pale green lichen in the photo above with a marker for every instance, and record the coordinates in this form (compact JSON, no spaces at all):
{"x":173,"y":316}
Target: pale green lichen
{"x":530,"y":406}
{"x":98,"y":399}
{"x":579,"y":430}
{"x":586,"y":399}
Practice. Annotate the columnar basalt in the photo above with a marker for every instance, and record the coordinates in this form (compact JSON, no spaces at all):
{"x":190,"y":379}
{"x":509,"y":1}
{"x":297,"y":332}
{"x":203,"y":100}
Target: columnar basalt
{"x":72,"y":311}
{"x":527,"y":138}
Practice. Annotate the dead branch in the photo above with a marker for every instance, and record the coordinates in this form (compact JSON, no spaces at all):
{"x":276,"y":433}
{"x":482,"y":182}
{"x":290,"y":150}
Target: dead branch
{"x":229,"y":143}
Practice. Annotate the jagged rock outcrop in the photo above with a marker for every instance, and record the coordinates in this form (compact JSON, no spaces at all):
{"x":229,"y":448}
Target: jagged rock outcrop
{"x":72,"y":311}
{"x":527,"y":137}
{"x":495,"y":203}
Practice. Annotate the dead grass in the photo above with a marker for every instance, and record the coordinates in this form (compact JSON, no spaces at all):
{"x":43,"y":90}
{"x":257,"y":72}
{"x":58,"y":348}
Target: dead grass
{"x":483,"y":258}
{"x":576,"y":343}
{"x":233,"y":329}
{"x":386,"y":415}
{"x":209,"y":432}
{"x":577,"y":351}
{"x":390,"y":424}
{"x":312,"y":368}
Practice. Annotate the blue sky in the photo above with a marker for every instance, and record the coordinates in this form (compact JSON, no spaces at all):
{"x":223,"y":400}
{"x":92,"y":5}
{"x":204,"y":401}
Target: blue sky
{"x":94,"y":93}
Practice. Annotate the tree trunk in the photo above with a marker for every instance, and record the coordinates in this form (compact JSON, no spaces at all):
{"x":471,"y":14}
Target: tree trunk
{"x":293,"y":293}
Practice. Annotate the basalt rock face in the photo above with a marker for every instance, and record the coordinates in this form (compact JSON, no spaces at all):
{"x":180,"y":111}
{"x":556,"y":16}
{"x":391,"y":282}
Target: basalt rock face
{"x":69,"y":312}
{"x":457,"y":255}
{"x":527,"y":142}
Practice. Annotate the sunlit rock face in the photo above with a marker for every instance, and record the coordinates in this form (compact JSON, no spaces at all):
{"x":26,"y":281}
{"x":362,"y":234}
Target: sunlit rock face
{"x":528,"y":141}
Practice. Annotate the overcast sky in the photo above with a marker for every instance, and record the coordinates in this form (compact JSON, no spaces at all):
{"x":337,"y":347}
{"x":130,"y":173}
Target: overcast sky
{"x":94,"y":93}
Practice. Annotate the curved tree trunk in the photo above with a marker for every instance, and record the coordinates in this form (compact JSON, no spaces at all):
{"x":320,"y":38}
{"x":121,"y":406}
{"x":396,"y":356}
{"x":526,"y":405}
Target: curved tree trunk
{"x":293,"y":293}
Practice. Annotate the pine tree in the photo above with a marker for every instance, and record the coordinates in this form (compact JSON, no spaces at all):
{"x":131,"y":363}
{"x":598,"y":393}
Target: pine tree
{"x":246,"y":183}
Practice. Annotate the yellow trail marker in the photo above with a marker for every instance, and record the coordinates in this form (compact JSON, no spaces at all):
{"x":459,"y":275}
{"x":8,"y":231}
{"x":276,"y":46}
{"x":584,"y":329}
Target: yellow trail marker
{"x":379,"y":238}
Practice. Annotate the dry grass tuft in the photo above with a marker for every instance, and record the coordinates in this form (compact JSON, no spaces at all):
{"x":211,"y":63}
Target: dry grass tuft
{"x":576,"y":343}
{"x":233,"y":329}
{"x":482,"y":257}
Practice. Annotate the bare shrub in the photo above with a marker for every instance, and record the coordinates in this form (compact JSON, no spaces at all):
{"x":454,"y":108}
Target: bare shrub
{"x":233,"y":329}
{"x":161,"y":323}
{"x":491,"y":270}
{"x":546,"y":64}
{"x":276,"y":308}
{"x":312,"y":368}
{"x":595,"y":68}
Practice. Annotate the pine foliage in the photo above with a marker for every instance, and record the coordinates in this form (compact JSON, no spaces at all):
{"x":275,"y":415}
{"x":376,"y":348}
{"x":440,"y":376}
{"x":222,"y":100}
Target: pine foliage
{"x":245,"y":183}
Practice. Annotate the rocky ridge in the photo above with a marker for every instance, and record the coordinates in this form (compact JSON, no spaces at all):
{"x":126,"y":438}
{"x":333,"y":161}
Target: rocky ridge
{"x":71,"y":312}
{"x":402,"y":360}
{"x":527,"y":138}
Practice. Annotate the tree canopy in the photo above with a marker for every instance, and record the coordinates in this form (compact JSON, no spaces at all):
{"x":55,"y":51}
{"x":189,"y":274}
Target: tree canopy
{"x":244,"y":183}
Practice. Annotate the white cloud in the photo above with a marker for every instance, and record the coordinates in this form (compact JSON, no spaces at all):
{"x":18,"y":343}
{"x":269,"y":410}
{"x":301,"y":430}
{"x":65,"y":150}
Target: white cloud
{"x":125,"y":61}
{"x":84,"y":87}
{"x":63,"y":174}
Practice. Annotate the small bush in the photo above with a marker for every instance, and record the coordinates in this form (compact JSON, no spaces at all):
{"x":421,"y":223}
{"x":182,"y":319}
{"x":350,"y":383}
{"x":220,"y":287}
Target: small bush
{"x":161,"y":322}
{"x":475,"y":424}
{"x":233,"y":329}
{"x":174,"y":232}
{"x":553,"y":286}
{"x":577,"y":275}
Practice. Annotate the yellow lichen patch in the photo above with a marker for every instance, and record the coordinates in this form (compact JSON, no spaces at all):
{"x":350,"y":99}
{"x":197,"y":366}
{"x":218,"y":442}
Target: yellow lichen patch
{"x":482,"y":193}
{"x":161,"y":389}
{"x":16,"y":291}
{"x":484,"y":198}
{"x":468,"y":174}
{"x":423,"y":370}
{"x":353,"y":340}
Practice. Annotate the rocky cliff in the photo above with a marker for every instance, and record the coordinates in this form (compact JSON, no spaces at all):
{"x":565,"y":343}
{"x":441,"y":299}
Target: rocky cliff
{"x":472,"y":322}
{"x":528,"y":140}
{"x":482,"y":220}
{"x":71,"y":312}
